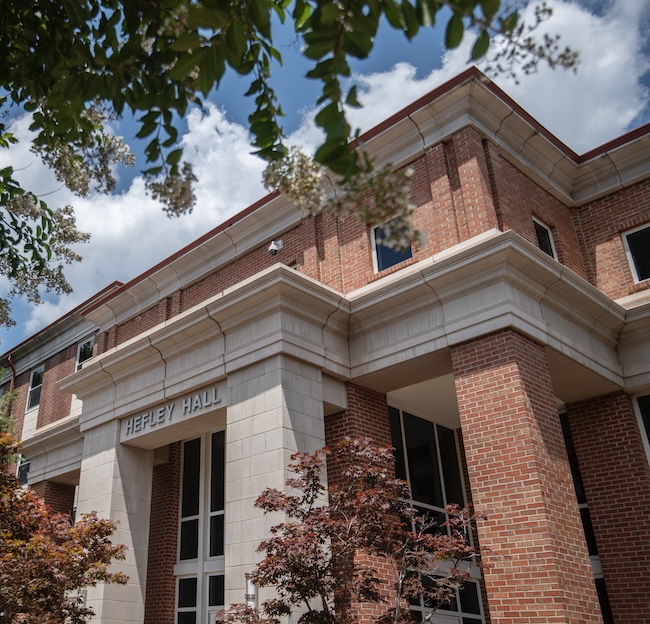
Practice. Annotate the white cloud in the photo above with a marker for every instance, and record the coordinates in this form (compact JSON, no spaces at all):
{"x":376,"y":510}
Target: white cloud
{"x":130,"y":233}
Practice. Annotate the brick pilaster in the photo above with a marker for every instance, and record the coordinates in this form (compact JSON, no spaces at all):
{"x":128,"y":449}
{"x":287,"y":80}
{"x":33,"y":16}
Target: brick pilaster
{"x":616,"y":478}
{"x":519,"y":473}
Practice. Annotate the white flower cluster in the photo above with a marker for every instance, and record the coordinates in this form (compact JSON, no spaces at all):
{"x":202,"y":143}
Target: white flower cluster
{"x":300,"y":178}
{"x":24,"y":205}
{"x":375,"y":196}
{"x":175,"y":192}
{"x":88,"y":163}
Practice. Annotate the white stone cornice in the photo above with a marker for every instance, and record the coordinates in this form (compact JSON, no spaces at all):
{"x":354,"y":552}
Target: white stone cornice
{"x":54,"y":451}
{"x":500,"y":282}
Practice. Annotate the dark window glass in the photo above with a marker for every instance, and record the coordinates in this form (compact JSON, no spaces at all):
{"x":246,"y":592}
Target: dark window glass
{"x":396,"y":441}
{"x":35,"y":384}
{"x":544,"y":239}
{"x":603,"y":598}
{"x":189,"y":539}
{"x":432,"y":520}
{"x":573,"y":460}
{"x":470,"y":620}
{"x":588,"y":527}
{"x":450,"y":467}
{"x":217,"y":472}
{"x":469,"y":600}
{"x":85,"y":352}
{"x":191,"y":478}
{"x":387,"y":256}
{"x":639,"y":244}
{"x":216,"y":594}
{"x":216,"y":536}
{"x":422,"y":461}
{"x":186,"y":617}
{"x":644,"y":407}
{"x":187,"y":592}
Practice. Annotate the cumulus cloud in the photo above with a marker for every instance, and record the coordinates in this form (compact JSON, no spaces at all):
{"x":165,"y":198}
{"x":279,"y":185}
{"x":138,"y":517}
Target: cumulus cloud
{"x":130,"y":233}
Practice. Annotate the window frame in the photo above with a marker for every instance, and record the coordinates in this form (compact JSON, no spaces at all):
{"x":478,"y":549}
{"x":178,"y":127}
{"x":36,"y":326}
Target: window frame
{"x":630,"y":256}
{"x":203,"y":566}
{"x":644,"y":427}
{"x":40,"y":369}
{"x":549,"y":231}
{"x":442,"y":614}
{"x":375,"y":255}
{"x":80,"y":345}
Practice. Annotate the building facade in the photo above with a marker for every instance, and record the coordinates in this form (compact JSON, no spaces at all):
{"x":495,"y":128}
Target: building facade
{"x":506,"y":358}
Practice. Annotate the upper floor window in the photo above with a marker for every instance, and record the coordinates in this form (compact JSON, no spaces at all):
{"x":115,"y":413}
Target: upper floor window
{"x":385,"y":256}
{"x":637,"y":248}
{"x":84,"y":351}
{"x":35,"y":385}
{"x":545,"y":238}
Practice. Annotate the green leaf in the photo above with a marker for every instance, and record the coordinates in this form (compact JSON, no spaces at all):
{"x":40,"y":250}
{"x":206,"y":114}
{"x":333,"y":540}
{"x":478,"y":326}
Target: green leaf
{"x":490,"y":7}
{"x":236,"y":45}
{"x":352,"y":100}
{"x":301,"y":13}
{"x":455,"y":31}
{"x":174,"y":157}
{"x":187,"y":41}
{"x":261,"y":16}
{"x":184,"y":65}
{"x":481,"y":45}
{"x":410,"y":19}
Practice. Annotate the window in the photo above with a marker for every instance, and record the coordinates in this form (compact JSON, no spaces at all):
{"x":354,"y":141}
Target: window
{"x":35,"y":385}
{"x":200,"y":568}
{"x":643,"y":403}
{"x":637,"y":248}
{"x":585,"y":516}
{"x":84,"y":351}
{"x":426,"y":455}
{"x":385,"y":256}
{"x":544,"y":238}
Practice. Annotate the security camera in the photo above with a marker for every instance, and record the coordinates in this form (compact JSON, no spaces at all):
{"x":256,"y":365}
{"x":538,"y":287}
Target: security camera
{"x":275,"y":246}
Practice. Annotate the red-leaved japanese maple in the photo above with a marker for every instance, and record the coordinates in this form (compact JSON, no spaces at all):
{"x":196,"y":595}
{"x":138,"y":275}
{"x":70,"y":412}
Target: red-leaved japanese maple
{"x":322,"y":560}
{"x":45,"y":559}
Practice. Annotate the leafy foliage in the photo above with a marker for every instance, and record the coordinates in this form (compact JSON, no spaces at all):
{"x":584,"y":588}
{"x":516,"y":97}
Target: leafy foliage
{"x":44,"y":559}
{"x":76,"y":64}
{"x":323,"y":558}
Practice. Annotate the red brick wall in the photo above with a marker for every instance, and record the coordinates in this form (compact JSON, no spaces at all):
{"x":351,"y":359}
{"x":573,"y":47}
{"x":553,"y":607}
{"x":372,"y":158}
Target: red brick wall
{"x":54,"y":404}
{"x":163,"y":540}
{"x":599,"y":226}
{"x":366,"y":416}
{"x":616,"y":477}
{"x":518,"y":468}
{"x":460,"y":188}
{"x":519,"y":199}
{"x":58,"y":496}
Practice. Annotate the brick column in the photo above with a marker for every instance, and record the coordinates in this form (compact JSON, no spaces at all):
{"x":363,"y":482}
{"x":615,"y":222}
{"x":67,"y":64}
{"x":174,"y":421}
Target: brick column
{"x":616,"y":477}
{"x":519,"y":473}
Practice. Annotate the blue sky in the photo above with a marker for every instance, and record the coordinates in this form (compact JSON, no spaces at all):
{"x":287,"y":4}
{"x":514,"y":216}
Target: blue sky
{"x":608,"y":96}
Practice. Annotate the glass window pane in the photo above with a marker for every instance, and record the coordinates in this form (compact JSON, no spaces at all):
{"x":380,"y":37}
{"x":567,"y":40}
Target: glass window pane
{"x":422,"y":461}
{"x":217,"y":472}
{"x":216,"y":594}
{"x":85,"y":352}
{"x":469,"y":599}
{"x":189,"y":539}
{"x":639,"y":243}
{"x":191,"y":478}
{"x":34,"y":397}
{"x":544,"y":239}
{"x":396,"y":441}
{"x":644,"y":406}
{"x":216,"y":536}
{"x":187,"y":592}
{"x":450,"y":467}
{"x":387,"y":256}
{"x":186,"y":617}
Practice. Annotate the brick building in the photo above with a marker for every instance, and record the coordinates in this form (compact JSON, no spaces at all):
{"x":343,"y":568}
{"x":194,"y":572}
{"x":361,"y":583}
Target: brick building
{"x":506,"y":357}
